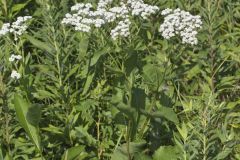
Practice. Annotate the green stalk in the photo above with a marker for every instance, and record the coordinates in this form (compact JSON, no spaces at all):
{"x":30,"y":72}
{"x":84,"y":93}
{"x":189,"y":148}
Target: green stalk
{"x":58,"y":62}
{"x":5,"y":8}
{"x":204,"y":122}
{"x":7,"y":121}
{"x":119,"y":140}
{"x":129,"y":139}
{"x":147,"y":120}
{"x":129,"y":127}
{"x":98,"y":135}
{"x":7,"y":135}
{"x":21,"y":51}
{"x":212,"y":52}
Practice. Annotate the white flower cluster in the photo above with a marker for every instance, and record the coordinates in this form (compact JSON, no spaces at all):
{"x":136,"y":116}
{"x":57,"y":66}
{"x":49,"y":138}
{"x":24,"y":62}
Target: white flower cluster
{"x":15,"y":75}
{"x":123,"y":26}
{"x":5,"y":29}
{"x":15,"y":57}
{"x":17,"y":28}
{"x":179,"y":22}
{"x":139,"y":8}
{"x":84,"y":16}
{"x":122,"y":29}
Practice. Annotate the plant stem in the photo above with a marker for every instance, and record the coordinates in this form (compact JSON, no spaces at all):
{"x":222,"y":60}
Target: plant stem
{"x":119,"y":140}
{"x":58,"y":60}
{"x":7,"y":121}
{"x":7,"y":132}
{"x":204,"y":136}
{"x":205,"y":120}
{"x":212,"y":52}
{"x":98,"y":136}
{"x":22,"y":54}
{"x":128,"y":140}
{"x":129,"y":127}
{"x":147,"y":120}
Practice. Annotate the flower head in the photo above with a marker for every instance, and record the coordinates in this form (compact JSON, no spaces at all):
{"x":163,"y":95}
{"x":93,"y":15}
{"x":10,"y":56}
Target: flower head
{"x":17,"y":28}
{"x":15,"y":57}
{"x":122,"y":29}
{"x":15,"y":75}
{"x":139,"y":8}
{"x":84,"y":16}
{"x":5,"y":29}
{"x":179,"y":22}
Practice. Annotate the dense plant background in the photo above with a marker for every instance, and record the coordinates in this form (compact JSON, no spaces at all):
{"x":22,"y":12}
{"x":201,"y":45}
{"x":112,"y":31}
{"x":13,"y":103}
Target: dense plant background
{"x":83,"y":96}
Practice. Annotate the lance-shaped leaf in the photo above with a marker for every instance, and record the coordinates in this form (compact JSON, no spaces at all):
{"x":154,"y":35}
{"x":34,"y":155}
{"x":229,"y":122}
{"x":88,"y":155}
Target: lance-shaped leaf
{"x":29,"y":122}
{"x":1,"y":155}
{"x":74,"y":153}
{"x":167,"y":153}
{"x":135,"y":148}
{"x":18,"y":7}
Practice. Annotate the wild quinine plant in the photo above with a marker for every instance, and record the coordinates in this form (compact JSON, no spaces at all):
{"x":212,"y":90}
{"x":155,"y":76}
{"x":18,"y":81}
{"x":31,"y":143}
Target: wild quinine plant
{"x":119,"y":80}
{"x":179,"y":22}
{"x":85,"y":16}
{"x":16,"y":28}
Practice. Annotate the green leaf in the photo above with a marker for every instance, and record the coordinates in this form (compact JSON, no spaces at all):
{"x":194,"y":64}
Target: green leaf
{"x":167,"y":153}
{"x":39,"y":44}
{"x":138,"y":98}
{"x":167,"y":113}
{"x":53,"y":129}
{"x":38,"y":158}
{"x":18,"y":7}
{"x":223,"y":154}
{"x":129,"y":111}
{"x":149,"y":35}
{"x":141,"y":156}
{"x":153,"y":76}
{"x":131,"y":63}
{"x":83,"y":134}
{"x":83,"y":43}
{"x":4,"y":6}
{"x":43,"y":94}
{"x":74,"y":153}
{"x":34,"y":114}
{"x":193,"y":71}
{"x":1,"y":154}
{"x":8,"y":157}
{"x":121,"y":152}
{"x":25,"y":118}
{"x":183,"y":131}
{"x":88,"y":83}
{"x":97,"y":55}
{"x":71,"y":72}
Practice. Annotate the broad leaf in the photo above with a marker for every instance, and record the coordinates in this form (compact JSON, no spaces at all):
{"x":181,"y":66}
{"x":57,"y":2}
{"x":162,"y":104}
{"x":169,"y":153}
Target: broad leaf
{"x":167,"y":113}
{"x":121,"y":153}
{"x":167,"y":153}
{"x":88,"y":83}
{"x":41,"y":45}
{"x":74,"y":153}
{"x":28,"y":120}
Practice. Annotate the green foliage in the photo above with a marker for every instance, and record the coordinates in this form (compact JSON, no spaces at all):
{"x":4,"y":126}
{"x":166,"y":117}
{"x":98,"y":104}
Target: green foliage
{"x":28,"y":117}
{"x":83,"y":96}
{"x":74,"y":153}
{"x":122,"y":151}
{"x":167,"y":153}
